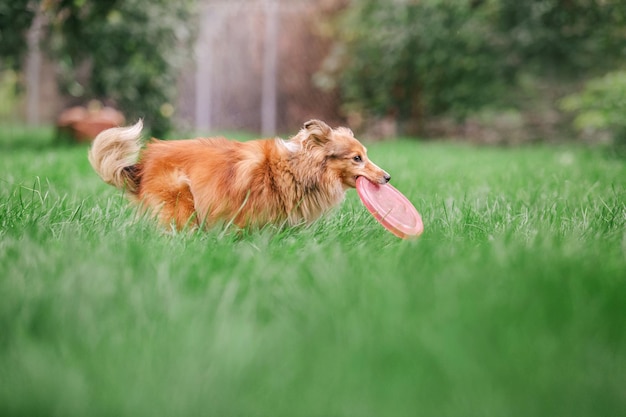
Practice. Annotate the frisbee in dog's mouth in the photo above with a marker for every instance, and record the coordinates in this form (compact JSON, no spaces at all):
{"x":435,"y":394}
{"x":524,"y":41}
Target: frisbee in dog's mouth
{"x":391,"y":208}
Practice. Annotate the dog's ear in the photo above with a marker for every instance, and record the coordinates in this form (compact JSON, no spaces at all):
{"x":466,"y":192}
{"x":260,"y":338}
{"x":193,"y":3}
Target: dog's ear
{"x":318,"y":131}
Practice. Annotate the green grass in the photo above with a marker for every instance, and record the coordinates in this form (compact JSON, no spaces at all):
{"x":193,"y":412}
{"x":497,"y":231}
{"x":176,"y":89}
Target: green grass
{"x":512,"y":303}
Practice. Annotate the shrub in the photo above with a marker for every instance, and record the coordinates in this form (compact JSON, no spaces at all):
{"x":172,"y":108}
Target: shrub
{"x":600,"y":106}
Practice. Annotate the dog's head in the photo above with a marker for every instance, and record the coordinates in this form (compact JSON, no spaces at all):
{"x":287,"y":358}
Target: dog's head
{"x":345,"y":156}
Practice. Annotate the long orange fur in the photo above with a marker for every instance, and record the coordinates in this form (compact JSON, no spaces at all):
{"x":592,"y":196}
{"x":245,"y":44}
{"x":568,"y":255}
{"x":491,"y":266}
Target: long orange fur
{"x":204,"y":181}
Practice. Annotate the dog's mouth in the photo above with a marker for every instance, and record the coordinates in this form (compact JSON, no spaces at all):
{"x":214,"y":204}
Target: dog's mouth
{"x":381,"y":181}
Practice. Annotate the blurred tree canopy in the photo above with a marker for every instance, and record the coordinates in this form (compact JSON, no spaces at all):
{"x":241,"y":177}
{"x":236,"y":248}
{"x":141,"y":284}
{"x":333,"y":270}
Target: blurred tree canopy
{"x":125,"y":51}
{"x":564,"y":37}
{"x":409,"y":59}
{"x":418,"y":58}
{"x":15,"y":19}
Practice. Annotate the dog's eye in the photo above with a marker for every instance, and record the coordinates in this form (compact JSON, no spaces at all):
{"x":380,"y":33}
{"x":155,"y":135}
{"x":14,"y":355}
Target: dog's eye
{"x":357,"y":158}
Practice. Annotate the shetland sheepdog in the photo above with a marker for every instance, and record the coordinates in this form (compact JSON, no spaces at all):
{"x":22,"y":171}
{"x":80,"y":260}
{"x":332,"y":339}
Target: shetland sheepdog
{"x":200,"y":182}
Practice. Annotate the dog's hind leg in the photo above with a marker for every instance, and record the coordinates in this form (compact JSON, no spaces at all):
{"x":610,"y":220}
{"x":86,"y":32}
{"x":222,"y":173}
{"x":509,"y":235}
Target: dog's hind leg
{"x":173,"y":201}
{"x":183,"y":212}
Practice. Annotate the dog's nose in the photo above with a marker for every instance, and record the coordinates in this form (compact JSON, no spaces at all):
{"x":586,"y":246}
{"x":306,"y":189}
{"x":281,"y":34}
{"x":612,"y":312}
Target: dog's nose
{"x":387,"y":178}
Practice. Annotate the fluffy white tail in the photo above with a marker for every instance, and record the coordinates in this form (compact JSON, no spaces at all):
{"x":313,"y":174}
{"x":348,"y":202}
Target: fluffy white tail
{"x":115,"y":149}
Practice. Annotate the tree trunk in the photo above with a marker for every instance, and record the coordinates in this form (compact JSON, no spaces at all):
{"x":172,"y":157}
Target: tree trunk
{"x":33,"y":68}
{"x":270,"y":69}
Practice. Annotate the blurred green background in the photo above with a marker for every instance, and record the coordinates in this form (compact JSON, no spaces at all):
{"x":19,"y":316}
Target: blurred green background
{"x":498,"y":71}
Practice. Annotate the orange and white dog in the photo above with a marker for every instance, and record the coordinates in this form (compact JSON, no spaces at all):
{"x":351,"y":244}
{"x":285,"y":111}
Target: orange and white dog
{"x":195,"y":182}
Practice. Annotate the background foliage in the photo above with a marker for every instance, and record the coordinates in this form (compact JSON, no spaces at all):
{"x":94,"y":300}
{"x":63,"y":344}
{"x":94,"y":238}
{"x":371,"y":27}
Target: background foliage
{"x":412,"y":61}
{"x":415,"y":59}
{"x":422,"y":58}
{"x":15,"y":19}
{"x":571,"y":38}
{"x":127,"y":52}
{"x":600,"y":106}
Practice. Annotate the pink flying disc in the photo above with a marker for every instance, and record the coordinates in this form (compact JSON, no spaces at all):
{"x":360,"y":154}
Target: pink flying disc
{"x":392,"y":209}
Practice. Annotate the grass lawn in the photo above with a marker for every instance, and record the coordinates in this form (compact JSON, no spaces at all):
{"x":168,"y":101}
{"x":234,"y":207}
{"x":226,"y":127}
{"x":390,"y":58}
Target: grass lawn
{"x":512,"y":303}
